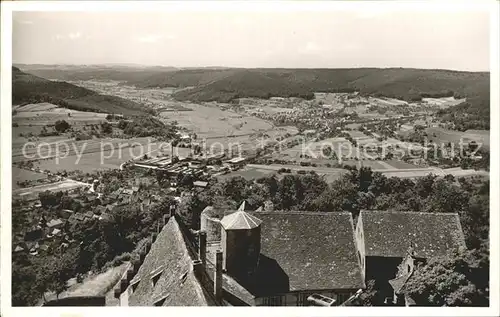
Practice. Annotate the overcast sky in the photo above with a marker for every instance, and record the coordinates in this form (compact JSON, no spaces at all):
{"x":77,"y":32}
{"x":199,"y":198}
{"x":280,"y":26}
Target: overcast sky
{"x":328,"y":39}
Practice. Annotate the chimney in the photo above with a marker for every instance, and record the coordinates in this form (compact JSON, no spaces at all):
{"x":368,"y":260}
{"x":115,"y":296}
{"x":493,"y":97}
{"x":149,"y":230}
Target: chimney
{"x":123,"y":285}
{"x":218,"y":277}
{"x":198,"y":269}
{"x":172,"y":211}
{"x":130,"y":273}
{"x":202,"y":252}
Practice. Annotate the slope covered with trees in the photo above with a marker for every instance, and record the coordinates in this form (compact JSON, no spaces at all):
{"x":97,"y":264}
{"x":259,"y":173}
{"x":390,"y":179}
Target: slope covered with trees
{"x":27,"y":88}
{"x":405,"y":84}
{"x":226,"y":84}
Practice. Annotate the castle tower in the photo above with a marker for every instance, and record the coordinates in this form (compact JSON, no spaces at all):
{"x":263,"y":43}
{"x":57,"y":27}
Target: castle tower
{"x":240,"y":237}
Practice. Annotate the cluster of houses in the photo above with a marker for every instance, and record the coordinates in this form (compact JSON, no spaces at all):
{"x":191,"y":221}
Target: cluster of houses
{"x":45,"y":233}
{"x":272,"y":258}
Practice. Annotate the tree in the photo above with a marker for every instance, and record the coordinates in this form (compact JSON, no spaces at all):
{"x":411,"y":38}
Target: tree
{"x":457,"y":280}
{"x":371,"y":295}
{"x":446,"y":197}
{"x":106,"y":128}
{"x":48,"y":198}
{"x":341,"y":195}
{"x":185,"y":180}
{"x":473,"y":146}
{"x":190,"y":210}
{"x":61,"y":126}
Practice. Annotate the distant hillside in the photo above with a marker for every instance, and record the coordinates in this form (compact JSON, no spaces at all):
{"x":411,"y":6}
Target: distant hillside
{"x":401,"y":83}
{"x":404,"y":84}
{"x":27,"y":88}
{"x":472,"y":114}
{"x":117,"y":72}
{"x":225,"y":84}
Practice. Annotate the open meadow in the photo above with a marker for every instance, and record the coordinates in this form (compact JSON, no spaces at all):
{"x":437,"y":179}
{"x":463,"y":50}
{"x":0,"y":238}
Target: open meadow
{"x":440,"y":135}
{"x":212,"y":122}
{"x":32,"y":192}
{"x":22,"y":175}
{"x":42,"y":114}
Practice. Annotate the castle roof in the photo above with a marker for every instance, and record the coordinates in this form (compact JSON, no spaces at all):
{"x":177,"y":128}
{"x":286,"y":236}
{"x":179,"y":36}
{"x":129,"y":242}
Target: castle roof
{"x":240,"y":220}
{"x":315,"y":250}
{"x":390,"y":233}
{"x":170,"y":265}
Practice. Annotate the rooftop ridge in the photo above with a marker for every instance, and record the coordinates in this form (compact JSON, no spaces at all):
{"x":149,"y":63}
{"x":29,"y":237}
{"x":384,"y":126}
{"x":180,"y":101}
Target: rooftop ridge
{"x":240,"y":220}
{"x":285,"y":212}
{"x":408,"y":212}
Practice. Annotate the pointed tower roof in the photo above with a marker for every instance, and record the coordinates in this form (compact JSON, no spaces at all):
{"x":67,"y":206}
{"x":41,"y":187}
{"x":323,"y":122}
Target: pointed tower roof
{"x":240,"y":220}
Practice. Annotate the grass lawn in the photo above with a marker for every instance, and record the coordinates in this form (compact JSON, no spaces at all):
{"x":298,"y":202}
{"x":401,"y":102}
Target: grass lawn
{"x":20,"y":175}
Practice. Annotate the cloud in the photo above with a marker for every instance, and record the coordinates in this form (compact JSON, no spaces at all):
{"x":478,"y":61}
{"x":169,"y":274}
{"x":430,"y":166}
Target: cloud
{"x":241,"y":21}
{"x":74,"y":36}
{"x":150,"y":38}
{"x":372,"y":13}
{"x":310,"y":47}
{"x":27,"y":22}
{"x":71,"y":36}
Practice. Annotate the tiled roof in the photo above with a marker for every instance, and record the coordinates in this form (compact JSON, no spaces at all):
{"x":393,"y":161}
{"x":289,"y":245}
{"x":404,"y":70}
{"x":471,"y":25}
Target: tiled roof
{"x":54,"y":222}
{"x":240,"y":220}
{"x":391,"y":233}
{"x":99,"y":210}
{"x":79,"y":216}
{"x":128,"y":191}
{"x":177,"y":281}
{"x":200,"y":183}
{"x":314,"y":250}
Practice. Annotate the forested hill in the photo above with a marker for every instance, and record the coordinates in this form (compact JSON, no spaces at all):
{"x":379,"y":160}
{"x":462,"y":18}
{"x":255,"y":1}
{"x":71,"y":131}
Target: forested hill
{"x":226,"y":84}
{"x":401,"y":83}
{"x":27,"y":88}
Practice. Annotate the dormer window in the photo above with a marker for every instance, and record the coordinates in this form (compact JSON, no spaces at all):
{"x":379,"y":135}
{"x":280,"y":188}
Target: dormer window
{"x":155,"y":278}
{"x":134,"y":284}
{"x":155,"y":275}
{"x":183,"y":277}
{"x":160,"y":300}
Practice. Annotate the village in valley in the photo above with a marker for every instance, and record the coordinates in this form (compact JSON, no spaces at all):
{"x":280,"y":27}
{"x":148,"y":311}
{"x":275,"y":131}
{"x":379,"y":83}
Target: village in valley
{"x":157,"y":186}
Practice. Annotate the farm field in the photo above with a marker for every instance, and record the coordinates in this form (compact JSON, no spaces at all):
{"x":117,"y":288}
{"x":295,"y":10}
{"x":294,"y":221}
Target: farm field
{"x":32,"y":192}
{"x":21,"y":175}
{"x":91,"y":162}
{"x":386,"y":101}
{"x":248,"y":173}
{"x":343,"y":149}
{"x":70,"y":148}
{"x":41,"y":114}
{"x":443,"y":135}
{"x":443,"y":103}
{"x":330,"y":174}
{"x":211,"y":121}
{"x":153,"y":97}
{"x":380,"y":165}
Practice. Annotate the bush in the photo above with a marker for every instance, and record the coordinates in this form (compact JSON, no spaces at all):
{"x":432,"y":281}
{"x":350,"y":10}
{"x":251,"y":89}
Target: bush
{"x":119,"y":259}
{"x":61,"y":126}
